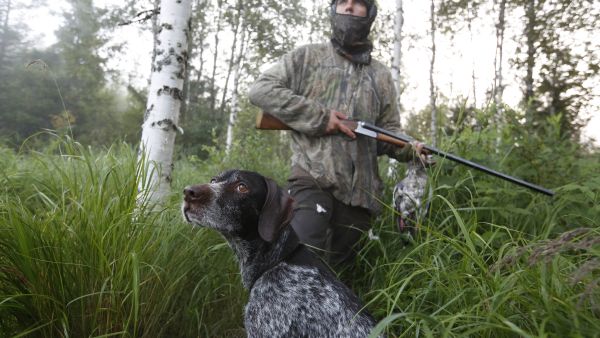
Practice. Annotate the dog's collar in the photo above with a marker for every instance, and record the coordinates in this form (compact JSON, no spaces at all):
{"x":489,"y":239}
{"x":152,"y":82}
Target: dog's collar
{"x":286,"y":246}
{"x":303,"y":256}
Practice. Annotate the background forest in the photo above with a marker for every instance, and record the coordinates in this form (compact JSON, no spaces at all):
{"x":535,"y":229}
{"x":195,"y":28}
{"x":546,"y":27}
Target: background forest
{"x":80,"y":257}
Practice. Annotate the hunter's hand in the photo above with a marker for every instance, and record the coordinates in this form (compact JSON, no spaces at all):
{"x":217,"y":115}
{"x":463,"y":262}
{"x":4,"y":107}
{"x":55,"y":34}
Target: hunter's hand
{"x":418,"y":147}
{"x":335,"y":124}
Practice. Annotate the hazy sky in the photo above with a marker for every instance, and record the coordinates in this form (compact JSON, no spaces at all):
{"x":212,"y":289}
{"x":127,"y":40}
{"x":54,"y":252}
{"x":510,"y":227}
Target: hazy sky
{"x":455,"y":59}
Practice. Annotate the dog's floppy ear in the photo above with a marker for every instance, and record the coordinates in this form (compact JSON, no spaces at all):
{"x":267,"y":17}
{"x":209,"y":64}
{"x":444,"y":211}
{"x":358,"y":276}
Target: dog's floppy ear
{"x":276,"y":212}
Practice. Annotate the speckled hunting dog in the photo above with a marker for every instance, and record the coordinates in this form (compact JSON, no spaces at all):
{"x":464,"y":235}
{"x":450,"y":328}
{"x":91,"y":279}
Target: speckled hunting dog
{"x":292,"y":293}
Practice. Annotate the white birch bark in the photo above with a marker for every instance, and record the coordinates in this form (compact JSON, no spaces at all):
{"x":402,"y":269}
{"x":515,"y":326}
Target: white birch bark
{"x":530,"y":35}
{"x":432,"y":93}
{"x":499,"y":88}
{"x":498,"y":59}
{"x":164,"y":97}
{"x":471,"y":15}
{"x":397,"y":56}
{"x":396,"y":64}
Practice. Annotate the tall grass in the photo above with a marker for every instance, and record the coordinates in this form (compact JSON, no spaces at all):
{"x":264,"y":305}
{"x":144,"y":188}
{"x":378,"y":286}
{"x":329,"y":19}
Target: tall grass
{"x":500,"y":283}
{"x":500,"y":263}
{"x":81,"y":257}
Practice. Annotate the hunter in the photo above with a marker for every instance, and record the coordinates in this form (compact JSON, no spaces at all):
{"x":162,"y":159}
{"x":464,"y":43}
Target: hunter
{"x":334,"y":175}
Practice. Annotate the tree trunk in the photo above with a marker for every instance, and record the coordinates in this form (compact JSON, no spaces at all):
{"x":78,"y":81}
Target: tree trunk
{"x":530,"y":35}
{"x":213,"y":88}
{"x":470,"y":17}
{"x":234,"y":95}
{"x":200,"y":85}
{"x":396,"y":67}
{"x":498,"y":59}
{"x":431,"y":82}
{"x":164,"y":97}
{"x":199,"y":72}
{"x":5,"y":22}
{"x":498,"y":85}
{"x":187,"y":84}
{"x":232,"y":59}
{"x":397,"y":56}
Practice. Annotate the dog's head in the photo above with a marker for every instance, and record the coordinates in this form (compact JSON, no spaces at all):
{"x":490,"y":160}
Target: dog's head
{"x":239,"y":203}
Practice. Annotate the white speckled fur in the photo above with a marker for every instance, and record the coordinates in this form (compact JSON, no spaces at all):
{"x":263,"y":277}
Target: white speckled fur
{"x":288,"y":297}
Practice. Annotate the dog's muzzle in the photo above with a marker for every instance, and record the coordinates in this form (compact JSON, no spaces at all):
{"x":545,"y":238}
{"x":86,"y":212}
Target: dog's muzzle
{"x":194,"y":199}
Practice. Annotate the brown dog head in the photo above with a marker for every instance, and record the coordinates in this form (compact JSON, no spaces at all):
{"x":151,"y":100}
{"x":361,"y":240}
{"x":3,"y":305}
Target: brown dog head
{"x":240,"y":204}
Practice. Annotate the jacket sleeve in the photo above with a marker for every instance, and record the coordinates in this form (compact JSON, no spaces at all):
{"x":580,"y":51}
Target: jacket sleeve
{"x":389,"y":119}
{"x":276,"y":91}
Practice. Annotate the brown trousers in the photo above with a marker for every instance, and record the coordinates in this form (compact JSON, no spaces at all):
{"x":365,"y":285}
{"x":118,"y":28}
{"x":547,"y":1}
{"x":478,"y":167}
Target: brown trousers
{"x":332,"y":229}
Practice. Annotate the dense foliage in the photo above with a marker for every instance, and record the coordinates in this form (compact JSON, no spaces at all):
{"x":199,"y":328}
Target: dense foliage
{"x":81,"y":256}
{"x":75,"y":83}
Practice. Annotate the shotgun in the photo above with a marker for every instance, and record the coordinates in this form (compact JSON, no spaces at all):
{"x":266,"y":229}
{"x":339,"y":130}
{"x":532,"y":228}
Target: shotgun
{"x":267,"y":121}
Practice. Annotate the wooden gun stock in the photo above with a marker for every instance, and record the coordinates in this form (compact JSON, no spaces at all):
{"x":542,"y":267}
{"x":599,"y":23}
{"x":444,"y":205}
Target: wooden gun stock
{"x":267,"y":121}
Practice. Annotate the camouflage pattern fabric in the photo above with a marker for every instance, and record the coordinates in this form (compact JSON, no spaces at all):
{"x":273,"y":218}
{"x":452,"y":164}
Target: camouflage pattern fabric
{"x":301,"y":90}
{"x":350,"y":34}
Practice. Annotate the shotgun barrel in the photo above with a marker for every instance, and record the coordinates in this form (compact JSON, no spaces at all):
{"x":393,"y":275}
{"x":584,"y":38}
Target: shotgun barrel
{"x":463,"y":161}
{"x":267,"y":121}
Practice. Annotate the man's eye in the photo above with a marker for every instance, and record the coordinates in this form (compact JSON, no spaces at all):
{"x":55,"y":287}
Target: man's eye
{"x":241,"y":188}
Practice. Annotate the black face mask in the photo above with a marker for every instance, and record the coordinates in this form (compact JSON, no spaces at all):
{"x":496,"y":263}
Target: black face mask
{"x":350,"y":34}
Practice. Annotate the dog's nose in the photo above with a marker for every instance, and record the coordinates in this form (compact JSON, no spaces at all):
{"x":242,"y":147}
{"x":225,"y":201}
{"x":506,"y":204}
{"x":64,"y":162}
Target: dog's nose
{"x":196,"y":193}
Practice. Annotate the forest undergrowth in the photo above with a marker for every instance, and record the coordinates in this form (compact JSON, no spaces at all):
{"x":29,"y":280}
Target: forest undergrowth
{"x":82,"y":256}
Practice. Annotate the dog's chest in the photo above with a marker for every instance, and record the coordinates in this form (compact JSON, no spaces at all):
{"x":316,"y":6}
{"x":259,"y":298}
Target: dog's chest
{"x":292,"y":285}
{"x":292,"y":300}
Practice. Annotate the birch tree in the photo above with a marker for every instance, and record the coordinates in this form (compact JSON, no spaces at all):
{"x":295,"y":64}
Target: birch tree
{"x":565,"y":63}
{"x":531,"y":36}
{"x":431,"y":81}
{"x":213,"y":86}
{"x":235,"y":18}
{"x":197,"y":23}
{"x":471,"y":15}
{"x":397,"y":56}
{"x":165,"y":96}
{"x":498,"y":87}
{"x":396,"y":64}
{"x":498,"y":59}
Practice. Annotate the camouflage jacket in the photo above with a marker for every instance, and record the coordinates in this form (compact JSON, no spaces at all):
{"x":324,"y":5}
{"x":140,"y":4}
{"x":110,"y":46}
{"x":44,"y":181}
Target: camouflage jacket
{"x":301,"y":90}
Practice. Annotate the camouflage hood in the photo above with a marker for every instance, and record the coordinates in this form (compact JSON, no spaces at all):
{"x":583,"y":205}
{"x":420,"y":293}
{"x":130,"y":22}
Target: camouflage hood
{"x":350,"y":34}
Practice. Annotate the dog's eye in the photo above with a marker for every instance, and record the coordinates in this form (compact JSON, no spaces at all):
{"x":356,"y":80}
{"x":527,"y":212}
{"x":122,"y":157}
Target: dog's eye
{"x":241,"y":188}
{"x":213,"y":180}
